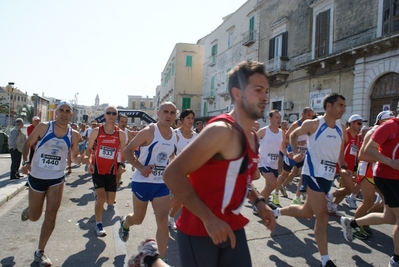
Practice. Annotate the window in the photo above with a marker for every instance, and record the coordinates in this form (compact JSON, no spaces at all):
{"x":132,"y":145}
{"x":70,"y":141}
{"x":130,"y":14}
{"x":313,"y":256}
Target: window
{"x":205,"y":110}
{"x":186,"y":103}
{"x":214,"y":50}
{"x":173,"y":68}
{"x":322,"y":32}
{"x":276,"y":105}
{"x":278,"y":46}
{"x":133,"y":104}
{"x":252,"y":28}
{"x":151,"y":105}
{"x":231,"y":39}
{"x":212,"y":85}
{"x":390,"y":21}
{"x":189,"y":61}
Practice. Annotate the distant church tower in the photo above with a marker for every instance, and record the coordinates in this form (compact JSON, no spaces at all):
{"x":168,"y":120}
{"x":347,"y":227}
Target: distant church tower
{"x":97,"y":102}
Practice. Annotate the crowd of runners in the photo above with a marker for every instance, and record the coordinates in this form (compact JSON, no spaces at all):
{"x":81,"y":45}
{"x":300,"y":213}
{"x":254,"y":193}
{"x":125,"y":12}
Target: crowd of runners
{"x":208,"y":190}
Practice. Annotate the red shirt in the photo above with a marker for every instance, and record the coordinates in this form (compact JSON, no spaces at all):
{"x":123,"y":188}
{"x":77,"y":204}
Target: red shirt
{"x":106,"y":151}
{"x":29,"y":130}
{"x":222,"y":185}
{"x":350,"y":150}
{"x":387,"y":137}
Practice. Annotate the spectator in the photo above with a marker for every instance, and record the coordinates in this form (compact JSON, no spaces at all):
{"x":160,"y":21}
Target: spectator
{"x":198,"y":126}
{"x":16,"y":141}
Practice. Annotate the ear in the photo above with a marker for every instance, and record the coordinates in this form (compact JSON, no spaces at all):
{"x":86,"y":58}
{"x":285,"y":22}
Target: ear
{"x":236,"y":93}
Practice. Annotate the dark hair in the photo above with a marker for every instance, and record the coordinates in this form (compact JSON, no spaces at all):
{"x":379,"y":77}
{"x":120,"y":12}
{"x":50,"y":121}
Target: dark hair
{"x":272,"y":112}
{"x":331,"y":98}
{"x":307,"y":109}
{"x":122,"y":116}
{"x":239,"y":75}
{"x":185,"y":113}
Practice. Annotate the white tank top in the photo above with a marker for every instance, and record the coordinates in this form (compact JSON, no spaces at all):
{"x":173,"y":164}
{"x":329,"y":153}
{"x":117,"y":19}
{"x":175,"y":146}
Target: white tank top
{"x":126,"y":131}
{"x":158,"y":153}
{"x":183,"y":142}
{"x":51,"y":154}
{"x":269,"y":148}
{"x":323,"y":151}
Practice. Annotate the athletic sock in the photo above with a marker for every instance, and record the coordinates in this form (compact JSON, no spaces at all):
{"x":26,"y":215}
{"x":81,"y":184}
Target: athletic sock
{"x":99,"y":222}
{"x":126,"y":229}
{"x":38,"y":251}
{"x":324,"y":259}
{"x":330,"y":196}
{"x":396,"y":257}
{"x":354,"y":224}
{"x":277,"y":212}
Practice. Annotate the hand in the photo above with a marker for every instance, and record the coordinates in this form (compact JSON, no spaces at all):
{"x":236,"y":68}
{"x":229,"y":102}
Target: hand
{"x":85,"y":160}
{"x":90,"y":169}
{"x":219,"y":231}
{"x":147,"y":170}
{"x":346,"y":172}
{"x":267,"y":216}
{"x":120,"y":170}
{"x":26,"y":169}
{"x":298,"y":157}
{"x":77,"y":159}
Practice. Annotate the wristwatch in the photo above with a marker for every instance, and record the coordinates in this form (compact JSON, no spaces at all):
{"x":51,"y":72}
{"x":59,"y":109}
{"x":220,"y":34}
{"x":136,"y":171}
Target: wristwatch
{"x":25,"y":162}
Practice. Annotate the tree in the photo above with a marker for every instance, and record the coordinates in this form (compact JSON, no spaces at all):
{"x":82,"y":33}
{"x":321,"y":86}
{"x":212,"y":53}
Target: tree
{"x":25,"y":112}
{"x":4,"y":105}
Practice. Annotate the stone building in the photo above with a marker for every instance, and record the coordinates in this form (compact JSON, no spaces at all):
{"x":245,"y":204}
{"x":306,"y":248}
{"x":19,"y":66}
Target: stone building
{"x":314,"y":47}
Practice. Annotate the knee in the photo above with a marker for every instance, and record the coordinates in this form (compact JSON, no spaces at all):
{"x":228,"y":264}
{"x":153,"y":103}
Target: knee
{"x":34,"y":217}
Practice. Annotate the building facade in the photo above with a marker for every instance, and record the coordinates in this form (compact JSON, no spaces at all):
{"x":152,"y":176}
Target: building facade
{"x":181,"y":79}
{"x":146,"y":104}
{"x":235,"y":40}
{"x":315,"y":47}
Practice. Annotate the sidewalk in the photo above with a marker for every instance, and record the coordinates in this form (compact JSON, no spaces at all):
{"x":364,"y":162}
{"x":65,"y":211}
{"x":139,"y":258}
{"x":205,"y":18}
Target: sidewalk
{"x":8,"y":188}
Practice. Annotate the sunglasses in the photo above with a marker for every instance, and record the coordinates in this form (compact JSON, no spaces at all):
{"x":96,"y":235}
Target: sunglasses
{"x":111,"y":113}
{"x":359,"y":123}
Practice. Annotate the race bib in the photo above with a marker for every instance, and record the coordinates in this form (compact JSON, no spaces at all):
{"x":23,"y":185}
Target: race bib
{"x":353,"y":150}
{"x":157,"y":172}
{"x":272,"y":157}
{"x":326,"y":169}
{"x":302,"y":150}
{"x":107,"y":152}
{"x":49,"y":162}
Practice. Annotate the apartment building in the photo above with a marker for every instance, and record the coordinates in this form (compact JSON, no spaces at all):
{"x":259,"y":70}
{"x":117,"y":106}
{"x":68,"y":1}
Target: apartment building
{"x":235,"y":40}
{"x":181,"y":79}
{"x":145,"y":104}
{"x":315,"y":47}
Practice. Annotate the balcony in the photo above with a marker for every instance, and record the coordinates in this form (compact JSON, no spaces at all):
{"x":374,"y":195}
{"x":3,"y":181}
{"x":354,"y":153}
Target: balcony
{"x":212,"y":61}
{"x":277,"y":68}
{"x":248,"y":38}
{"x":209,"y":98}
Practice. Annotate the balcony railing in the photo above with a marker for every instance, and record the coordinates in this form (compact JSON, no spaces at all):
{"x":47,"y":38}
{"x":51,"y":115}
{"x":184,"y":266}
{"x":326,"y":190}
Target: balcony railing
{"x":249,"y":37}
{"x":212,"y":60}
{"x":276,"y":64}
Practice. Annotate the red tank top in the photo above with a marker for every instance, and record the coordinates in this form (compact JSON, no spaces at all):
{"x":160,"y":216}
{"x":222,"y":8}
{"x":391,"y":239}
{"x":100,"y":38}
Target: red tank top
{"x":106,"y":151}
{"x":350,"y":150}
{"x":222,"y":185}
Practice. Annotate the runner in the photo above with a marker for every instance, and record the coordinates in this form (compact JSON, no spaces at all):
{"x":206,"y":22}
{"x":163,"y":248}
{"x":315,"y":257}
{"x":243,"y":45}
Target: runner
{"x":46,"y":172}
{"x":156,"y":144}
{"x":382,"y":149}
{"x":102,"y":153}
{"x":122,"y":123}
{"x":210,"y":228}
{"x":74,"y":126}
{"x":186,"y":135}
{"x":325,"y":145}
{"x":288,"y":164}
{"x":86,"y":136}
{"x":351,"y":147}
{"x":270,"y":144}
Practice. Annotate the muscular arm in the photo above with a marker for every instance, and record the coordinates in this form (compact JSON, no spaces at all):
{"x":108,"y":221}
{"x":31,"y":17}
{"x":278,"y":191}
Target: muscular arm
{"x":122,"y":142}
{"x":308,"y":127}
{"x":75,"y":156}
{"x":90,"y":143}
{"x":362,"y":151}
{"x":36,"y":134}
{"x":341,"y":159}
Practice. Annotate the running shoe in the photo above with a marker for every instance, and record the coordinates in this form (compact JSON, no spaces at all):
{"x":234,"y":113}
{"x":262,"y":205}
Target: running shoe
{"x":360,"y":234}
{"x":297,"y":201}
{"x":147,"y":248}
{"x":347,"y":229}
{"x":283,"y":191}
{"x":351,"y":202}
{"x":276,"y":200}
{"x":25,"y":215}
{"x":42,"y":259}
{"x":393,"y":263}
{"x":100,"y":230}
{"x":329,"y":204}
{"x":367,"y":230}
{"x":329,"y":263}
{"x":123,"y":234}
{"x":171,"y":223}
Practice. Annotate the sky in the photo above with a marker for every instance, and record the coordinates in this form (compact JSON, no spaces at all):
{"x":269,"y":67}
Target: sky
{"x":113,"y":48}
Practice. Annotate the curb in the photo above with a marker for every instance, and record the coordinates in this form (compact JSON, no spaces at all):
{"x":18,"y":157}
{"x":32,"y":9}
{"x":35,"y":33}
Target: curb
{"x":11,"y":190}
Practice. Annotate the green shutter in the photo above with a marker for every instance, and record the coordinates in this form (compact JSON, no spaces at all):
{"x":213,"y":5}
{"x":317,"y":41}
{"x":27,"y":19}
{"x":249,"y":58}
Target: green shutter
{"x":186,"y":103}
{"x":212,"y":84}
{"x":205,"y":111}
{"x":173,"y":68}
{"x":189,"y":61}
{"x":251,"y":28}
{"x":214,"y":49}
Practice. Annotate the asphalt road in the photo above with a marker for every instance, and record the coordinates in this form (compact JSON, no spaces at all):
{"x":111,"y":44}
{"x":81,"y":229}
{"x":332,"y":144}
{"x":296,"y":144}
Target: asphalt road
{"x":75,"y":244}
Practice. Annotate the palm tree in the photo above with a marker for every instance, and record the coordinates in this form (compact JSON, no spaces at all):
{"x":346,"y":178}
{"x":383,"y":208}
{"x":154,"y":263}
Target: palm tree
{"x":25,"y":112}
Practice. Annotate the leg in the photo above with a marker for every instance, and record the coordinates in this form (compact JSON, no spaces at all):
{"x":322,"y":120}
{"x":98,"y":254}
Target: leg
{"x":110,"y":197}
{"x":139,"y":211}
{"x":15,"y":163}
{"x":54,"y":197}
{"x":346,"y":188}
{"x":36,"y":201}
{"x":161,"y":207}
{"x":281,"y":179}
{"x":395,"y":233}
{"x":368,"y":193}
{"x":69,"y":163}
{"x":99,"y":204}
{"x":294,"y":172}
{"x":270,"y":184}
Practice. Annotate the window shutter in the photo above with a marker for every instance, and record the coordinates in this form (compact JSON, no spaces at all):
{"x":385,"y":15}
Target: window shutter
{"x":322,"y":33}
{"x":271,"y":48}
{"x":284,"y":49}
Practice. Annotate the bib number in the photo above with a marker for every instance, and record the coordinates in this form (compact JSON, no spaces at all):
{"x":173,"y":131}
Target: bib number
{"x":326,"y":169}
{"x":50,"y":162}
{"x":353,"y":150}
{"x":157,"y":172}
{"x":272,"y":157}
{"x":107,"y":152}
